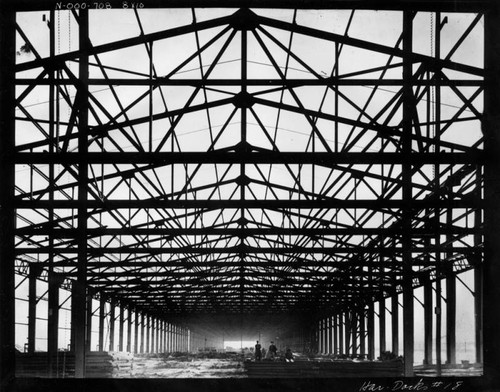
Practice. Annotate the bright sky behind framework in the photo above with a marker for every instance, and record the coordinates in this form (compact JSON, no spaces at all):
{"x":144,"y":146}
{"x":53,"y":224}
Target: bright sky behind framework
{"x":376,"y":26}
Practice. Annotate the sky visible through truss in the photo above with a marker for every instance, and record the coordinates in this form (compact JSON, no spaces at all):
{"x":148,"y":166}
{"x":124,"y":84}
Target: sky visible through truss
{"x":278,"y":120}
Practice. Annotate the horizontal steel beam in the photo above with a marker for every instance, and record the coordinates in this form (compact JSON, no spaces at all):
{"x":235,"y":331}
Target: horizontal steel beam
{"x":327,"y":81}
{"x":250,"y":204}
{"x":291,"y":263}
{"x":245,"y":232}
{"x":291,"y":277}
{"x":263,"y":157}
{"x":247,"y":250}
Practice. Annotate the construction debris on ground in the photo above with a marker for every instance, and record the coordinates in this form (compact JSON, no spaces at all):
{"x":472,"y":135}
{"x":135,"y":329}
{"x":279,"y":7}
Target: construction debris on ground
{"x":213,"y":364}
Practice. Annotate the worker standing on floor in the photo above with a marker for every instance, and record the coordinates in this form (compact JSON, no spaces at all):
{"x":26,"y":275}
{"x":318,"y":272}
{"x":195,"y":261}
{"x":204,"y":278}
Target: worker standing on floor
{"x":272,"y":351}
{"x":258,"y":354}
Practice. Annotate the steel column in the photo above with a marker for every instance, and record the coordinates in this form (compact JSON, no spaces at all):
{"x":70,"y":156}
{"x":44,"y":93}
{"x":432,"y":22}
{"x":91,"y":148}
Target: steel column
{"x":347,"y":332}
{"x":143,"y":322}
{"x":160,"y":336}
{"x":102,"y":316}
{"x":112,"y":318}
{"x":491,"y":129}
{"x":148,"y":333}
{"x":54,"y":282}
{"x":80,"y":284}
{"x":381,"y":328}
{"x":320,"y":336}
{"x":88,"y":322}
{"x":167,"y":337}
{"x":341,"y":333}
{"x":478,"y":279}
{"x":335,"y":335}
{"x":478,"y":312}
{"x":32,"y":300}
{"x":129,"y":329}
{"x":330,"y":335}
{"x":408,"y":110}
{"x":136,"y":331}
{"x":451,"y":306}
{"x":451,"y":300}
{"x":151,"y":334}
{"x":427,"y":321}
{"x":121,"y":326}
{"x":362,"y":332}
{"x":395,"y":323}
{"x":167,"y":331}
{"x":354,"y":325}
{"x":155,"y":342}
{"x":7,"y":212}
{"x":371,"y":331}
{"x":436,"y":220}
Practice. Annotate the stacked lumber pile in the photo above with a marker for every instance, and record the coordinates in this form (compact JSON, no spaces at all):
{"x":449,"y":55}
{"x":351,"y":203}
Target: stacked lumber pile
{"x":324,"y":369}
{"x":466,"y":369}
{"x":108,"y":364}
{"x":36,"y":365}
{"x":98,"y":365}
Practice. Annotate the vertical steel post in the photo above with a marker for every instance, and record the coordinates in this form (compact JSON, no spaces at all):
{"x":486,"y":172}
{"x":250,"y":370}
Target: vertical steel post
{"x":330,"y":335}
{"x":381,"y":325}
{"x":347,"y":332}
{"x":320,"y":336}
{"x":102,"y":316}
{"x":33,"y":275}
{"x":54,"y":282}
{"x":154,"y":329}
{"x":160,"y":336}
{"x":129,"y":329}
{"x":478,"y":276}
{"x":371,"y":331}
{"x":478,"y":311}
{"x":88,"y":321}
{"x":7,"y":211}
{"x":143,"y":322}
{"x":362,"y":332}
{"x":340,"y":327}
{"x":79,"y":288}
{"x":53,"y":308}
{"x":165,"y":337}
{"x":335,"y":334}
{"x":427,"y":321}
{"x":408,"y":109}
{"x":395,"y":323}
{"x":112,"y":319}
{"x":148,"y":333}
{"x":354,"y":330}
{"x":491,"y":129}
{"x":169,"y":338}
{"x":451,"y":297}
{"x":121,"y":326}
{"x":437,"y":109}
{"x":136,"y":331}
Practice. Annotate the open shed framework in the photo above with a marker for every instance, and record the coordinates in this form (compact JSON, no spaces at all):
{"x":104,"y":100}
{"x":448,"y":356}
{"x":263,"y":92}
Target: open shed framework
{"x":244,"y":161}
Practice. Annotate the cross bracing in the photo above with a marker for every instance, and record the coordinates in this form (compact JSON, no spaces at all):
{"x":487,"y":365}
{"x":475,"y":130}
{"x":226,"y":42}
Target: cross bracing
{"x":248,"y":160}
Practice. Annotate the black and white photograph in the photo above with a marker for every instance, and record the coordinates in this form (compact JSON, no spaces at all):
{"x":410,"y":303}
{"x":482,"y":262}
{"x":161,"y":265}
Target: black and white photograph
{"x":296,"y":195}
